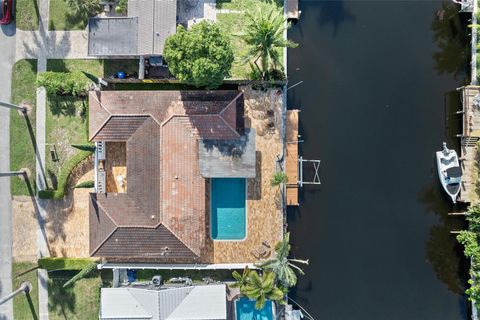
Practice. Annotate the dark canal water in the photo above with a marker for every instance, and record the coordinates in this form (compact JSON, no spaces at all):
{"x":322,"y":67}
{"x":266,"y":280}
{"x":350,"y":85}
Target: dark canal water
{"x":377,"y":89}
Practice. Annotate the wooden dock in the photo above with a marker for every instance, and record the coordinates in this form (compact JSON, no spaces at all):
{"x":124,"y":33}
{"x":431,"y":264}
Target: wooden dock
{"x":292,"y":10}
{"x":291,"y":166}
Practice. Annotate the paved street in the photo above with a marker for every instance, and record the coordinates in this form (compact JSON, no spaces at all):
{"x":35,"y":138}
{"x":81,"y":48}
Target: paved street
{"x":7,"y":58}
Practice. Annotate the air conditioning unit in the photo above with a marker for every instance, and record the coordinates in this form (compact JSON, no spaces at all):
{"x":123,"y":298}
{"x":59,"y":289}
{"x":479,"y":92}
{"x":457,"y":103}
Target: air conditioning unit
{"x":157,"y":280}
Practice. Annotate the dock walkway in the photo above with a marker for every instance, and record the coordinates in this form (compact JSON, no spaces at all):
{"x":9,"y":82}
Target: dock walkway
{"x":291,"y":166}
{"x":470,"y":136}
{"x":292,"y":10}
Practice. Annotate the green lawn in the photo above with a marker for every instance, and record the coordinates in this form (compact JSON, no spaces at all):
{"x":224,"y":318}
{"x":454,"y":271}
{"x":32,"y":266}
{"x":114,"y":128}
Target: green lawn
{"x":242,"y":4}
{"x":26,"y":14}
{"x":79,"y":301}
{"x":22,"y":307}
{"x":22,"y":129}
{"x":67,"y":117}
{"x":61,"y":17}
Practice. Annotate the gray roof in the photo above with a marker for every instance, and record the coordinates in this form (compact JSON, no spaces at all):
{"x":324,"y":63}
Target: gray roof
{"x":185,"y":303}
{"x":228,"y":158}
{"x":143,"y":32}
{"x":157,"y":20}
{"x":112,"y":36}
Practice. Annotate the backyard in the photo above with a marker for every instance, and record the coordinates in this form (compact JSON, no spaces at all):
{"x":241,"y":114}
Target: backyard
{"x":230,"y":17}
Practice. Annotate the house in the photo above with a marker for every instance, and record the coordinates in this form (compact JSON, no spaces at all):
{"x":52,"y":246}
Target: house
{"x":141,"y":34}
{"x":171,"y":175}
{"x":201,"y":302}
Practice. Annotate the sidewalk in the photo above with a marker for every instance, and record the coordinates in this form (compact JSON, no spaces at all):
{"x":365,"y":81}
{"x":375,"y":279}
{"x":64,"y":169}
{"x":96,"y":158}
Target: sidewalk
{"x":7,"y":58}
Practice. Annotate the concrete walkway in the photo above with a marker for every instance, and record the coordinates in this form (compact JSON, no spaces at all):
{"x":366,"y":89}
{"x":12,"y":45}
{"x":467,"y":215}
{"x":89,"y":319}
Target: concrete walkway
{"x":40,"y":45}
{"x":7,"y":58}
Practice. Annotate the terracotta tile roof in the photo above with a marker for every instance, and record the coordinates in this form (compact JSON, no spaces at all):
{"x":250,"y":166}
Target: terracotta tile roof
{"x":165,"y":203}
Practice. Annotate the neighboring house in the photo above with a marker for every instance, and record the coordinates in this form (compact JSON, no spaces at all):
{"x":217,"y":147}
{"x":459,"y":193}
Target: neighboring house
{"x":207,"y":302}
{"x":141,"y":34}
{"x":170,"y":176}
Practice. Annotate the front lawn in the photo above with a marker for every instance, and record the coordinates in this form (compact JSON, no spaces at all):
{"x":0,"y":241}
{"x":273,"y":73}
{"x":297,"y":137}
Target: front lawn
{"x":79,"y":301}
{"x":22,"y":307}
{"x":22,"y":129}
{"x":61,"y":17}
{"x":67,"y":116}
{"x":26,"y":14}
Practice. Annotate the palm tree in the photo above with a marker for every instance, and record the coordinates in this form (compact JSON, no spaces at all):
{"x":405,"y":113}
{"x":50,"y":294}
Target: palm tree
{"x":263,"y":34}
{"x":262,"y":288}
{"x":241,"y":279}
{"x":282,"y":266}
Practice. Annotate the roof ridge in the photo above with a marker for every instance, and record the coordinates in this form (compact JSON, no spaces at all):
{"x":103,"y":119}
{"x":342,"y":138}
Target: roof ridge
{"x":229,"y":126}
{"x":178,"y":238}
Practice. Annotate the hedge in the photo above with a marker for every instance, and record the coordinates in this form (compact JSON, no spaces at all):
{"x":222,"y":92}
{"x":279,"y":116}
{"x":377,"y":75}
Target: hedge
{"x":64,"y":83}
{"x":65,"y":172}
{"x":85,"y":184}
{"x":84,"y":147}
{"x":51,"y":264}
{"x":86,"y":270}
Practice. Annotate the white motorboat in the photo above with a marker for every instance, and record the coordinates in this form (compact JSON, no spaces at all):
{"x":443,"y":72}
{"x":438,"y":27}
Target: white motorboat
{"x":449,"y":171}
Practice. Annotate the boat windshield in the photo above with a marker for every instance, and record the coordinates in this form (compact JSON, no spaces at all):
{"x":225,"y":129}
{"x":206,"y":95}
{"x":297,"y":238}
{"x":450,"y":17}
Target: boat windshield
{"x":453,"y":180}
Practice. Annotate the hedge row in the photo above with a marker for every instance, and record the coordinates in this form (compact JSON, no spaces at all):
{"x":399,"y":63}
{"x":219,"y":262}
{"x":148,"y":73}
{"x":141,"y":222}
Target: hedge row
{"x":65,"y":263}
{"x":64,"y":83}
{"x":65,"y":172}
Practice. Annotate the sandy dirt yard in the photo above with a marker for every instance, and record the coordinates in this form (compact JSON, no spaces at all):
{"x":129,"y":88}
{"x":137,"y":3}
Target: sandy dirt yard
{"x":66,"y":225}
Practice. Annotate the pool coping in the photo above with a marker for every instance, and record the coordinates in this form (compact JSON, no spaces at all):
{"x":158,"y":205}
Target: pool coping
{"x":246,"y":212}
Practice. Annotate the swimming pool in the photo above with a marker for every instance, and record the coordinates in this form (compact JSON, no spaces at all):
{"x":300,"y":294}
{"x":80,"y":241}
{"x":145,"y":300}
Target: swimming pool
{"x":228,"y":214}
{"x":245,"y":310}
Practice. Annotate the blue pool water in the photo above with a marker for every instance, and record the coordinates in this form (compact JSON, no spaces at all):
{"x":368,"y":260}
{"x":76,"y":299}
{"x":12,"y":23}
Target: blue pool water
{"x":245,"y":309}
{"x":228,"y":209}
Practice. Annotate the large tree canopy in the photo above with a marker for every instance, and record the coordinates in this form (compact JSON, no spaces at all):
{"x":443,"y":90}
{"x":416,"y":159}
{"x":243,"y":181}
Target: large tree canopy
{"x":201,"y":56}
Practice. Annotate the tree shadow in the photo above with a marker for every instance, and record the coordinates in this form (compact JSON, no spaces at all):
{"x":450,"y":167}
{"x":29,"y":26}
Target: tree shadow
{"x":334,"y":13}
{"x":442,"y":249}
{"x":451,"y":35}
{"x":41,"y":222}
{"x":31,"y":306}
{"x":60,"y":299}
{"x":62,"y":105}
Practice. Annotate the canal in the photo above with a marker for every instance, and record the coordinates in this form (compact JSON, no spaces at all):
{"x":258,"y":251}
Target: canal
{"x":377,"y":90}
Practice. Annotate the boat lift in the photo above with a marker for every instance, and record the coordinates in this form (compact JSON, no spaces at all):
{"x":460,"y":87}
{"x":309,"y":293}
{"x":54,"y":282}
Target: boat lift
{"x":316,"y":167}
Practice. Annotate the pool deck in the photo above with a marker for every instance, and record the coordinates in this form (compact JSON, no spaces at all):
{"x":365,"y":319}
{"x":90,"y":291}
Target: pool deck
{"x":291,"y":163}
{"x":264,"y":206}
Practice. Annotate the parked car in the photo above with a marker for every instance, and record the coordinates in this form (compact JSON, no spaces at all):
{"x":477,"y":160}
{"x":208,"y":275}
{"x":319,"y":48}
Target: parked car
{"x":6,"y":12}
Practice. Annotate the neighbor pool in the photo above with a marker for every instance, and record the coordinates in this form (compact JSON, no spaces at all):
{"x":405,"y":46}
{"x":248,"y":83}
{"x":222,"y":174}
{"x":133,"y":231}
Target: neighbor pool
{"x":245,"y":310}
{"x":228,"y":214}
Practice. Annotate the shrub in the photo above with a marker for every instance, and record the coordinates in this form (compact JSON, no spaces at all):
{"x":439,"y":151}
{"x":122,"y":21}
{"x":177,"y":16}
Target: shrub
{"x":85,"y":184}
{"x":201,"y":56}
{"x":82,"y":274}
{"x":64,"y":83}
{"x":84,"y":8}
{"x":278,"y":178}
{"x":84,"y":147}
{"x":64,"y":176}
{"x":51,"y":264}
{"x":121,"y":7}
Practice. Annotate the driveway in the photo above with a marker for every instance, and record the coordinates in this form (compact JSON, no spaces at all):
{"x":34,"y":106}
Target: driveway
{"x":7,"y":58}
